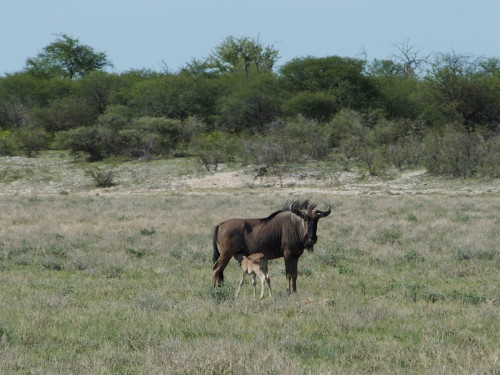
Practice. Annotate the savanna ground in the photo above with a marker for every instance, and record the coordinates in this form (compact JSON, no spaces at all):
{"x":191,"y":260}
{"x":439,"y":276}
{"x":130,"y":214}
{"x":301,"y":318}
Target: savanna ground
{"x":404,"y":278}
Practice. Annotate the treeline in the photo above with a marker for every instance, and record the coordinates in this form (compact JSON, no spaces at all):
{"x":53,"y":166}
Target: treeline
{"x":441,"y":112}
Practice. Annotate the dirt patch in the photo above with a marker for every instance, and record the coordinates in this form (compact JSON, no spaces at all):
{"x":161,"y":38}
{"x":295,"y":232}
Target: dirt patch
{"x":345,"y":183}
{"x":59,"y":174}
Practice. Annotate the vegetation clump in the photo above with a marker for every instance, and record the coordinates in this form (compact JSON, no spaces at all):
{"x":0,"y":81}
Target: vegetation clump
{"x":438,"y":111}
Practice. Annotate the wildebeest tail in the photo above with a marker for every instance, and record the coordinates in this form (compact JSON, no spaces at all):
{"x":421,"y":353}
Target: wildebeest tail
{"x":216,"y":251}
{"x":216,"y":248}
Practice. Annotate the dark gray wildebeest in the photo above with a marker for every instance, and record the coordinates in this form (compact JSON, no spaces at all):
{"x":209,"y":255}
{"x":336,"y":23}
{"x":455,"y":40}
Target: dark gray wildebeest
{"x":284,"y":233}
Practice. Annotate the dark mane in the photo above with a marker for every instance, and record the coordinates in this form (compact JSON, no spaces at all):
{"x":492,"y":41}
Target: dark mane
{"x":272,"y":215}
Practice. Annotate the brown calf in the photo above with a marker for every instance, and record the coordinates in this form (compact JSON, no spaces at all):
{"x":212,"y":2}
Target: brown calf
{"x":256,"y":265}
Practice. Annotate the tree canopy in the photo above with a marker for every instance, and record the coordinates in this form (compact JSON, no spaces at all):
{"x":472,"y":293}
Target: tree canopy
{"x":237,"y":55}
{"x":66,"y":57}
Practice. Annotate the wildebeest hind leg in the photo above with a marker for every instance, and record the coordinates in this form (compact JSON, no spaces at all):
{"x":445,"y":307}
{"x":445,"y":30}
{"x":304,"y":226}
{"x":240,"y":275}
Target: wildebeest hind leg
{"x":217,"y":275}
{"x":291,"y":273}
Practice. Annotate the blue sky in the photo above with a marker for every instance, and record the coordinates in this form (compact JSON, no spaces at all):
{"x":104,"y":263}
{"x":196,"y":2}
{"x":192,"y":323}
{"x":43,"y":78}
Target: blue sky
{"x":153,"y":33}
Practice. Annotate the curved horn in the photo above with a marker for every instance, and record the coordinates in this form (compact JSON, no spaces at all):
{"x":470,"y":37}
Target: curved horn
{"x":325,"y":213}
{"x":295,"y":210}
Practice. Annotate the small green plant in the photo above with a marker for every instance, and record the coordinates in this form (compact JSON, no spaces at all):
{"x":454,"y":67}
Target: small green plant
{"x":219,"y":294}
{"x":329,"y":259}
{"x":413,"y":291}
{"x":306,"y":271}
{"x":467,"y":297}
{"x":113,"y":271}
{"x":5,"y":333}
{"x":388,"y":236}
{"x":432,"y":296}
{"x":52,"y":265}
{"x":461,"y":217}
{"x":138,"y":253}
{"x":103,"y":178}
{"x":412,"y":217}
{"x":462,"y":255}
{"x":147,"y":231}
{"x":412,"y":257}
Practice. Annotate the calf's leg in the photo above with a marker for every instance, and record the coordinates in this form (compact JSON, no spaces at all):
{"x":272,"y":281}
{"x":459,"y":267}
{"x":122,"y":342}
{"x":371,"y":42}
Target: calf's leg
{"x":241,"y":283}
{"x":253,"y":284}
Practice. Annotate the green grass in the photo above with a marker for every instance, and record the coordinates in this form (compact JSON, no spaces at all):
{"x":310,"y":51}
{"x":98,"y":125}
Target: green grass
{"x":121,"y":285}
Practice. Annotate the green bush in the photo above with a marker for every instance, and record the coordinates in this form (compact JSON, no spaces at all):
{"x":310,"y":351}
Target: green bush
{"x":32,"y":140}
{"x":63,"y":114}
{"x":85,"y":139}
{"x":219,"y":294}
{"x":103,"y":177}
{"x":320,"y":106}
{"x":148,"y":136}
{"x":214,"y":148}
{"x":459,"y":153}
{"x":292,"y":141}
{"x":7,"y":145}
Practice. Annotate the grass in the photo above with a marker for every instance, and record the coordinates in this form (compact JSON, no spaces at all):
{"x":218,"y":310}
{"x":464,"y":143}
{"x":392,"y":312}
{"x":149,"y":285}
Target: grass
{"x":119,"y":283}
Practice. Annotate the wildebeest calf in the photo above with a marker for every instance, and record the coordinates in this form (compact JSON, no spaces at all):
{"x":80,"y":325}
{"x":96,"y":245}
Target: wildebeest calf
{"x":255,"y":265}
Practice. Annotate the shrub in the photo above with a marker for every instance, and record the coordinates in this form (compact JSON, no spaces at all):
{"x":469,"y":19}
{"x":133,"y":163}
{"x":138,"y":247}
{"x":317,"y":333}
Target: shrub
{"x":388,"y":236}
{"x":219,"y":294}
{"x":85,"y":139}
{"x":452,"y":151}
{"x":412,"y":257}
{"x":32,"y":140}
{"x":64,"y":114}
{"x":214,"y":148}
{"x":103,"y":178}
{"x":283,"y":142}
{"x":6,"y":143}
{"x":146,"y":136}
{"x":319,"y":106}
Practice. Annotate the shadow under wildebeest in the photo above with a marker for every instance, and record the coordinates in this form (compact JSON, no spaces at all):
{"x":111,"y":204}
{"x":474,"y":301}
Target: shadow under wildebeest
{"x":284,"y":233}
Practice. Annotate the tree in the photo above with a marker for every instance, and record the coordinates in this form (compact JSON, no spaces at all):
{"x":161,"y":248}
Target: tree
{"x":319,"y":105}
{"x":397,"y":90}
{"x":249,"y":103}
{"x":236,"y":55}
{"x":342,"y":77}
{"x":66,"y":57}
{"x":175,"y":96}
{"x":32,"y":140}
{"x":463,"y":90}
{"x":96,"y":87}
{"x":410,"y":58}
{"x":63,"y":114}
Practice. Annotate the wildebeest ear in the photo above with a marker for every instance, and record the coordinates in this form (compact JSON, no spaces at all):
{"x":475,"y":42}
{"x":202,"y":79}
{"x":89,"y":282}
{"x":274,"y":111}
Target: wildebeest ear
{"x":296,"y":211}
{"x":325,"y":213}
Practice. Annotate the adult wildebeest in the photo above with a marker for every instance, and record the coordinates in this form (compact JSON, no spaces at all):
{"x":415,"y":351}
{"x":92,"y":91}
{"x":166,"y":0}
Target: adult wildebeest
{"x":284,"y":233}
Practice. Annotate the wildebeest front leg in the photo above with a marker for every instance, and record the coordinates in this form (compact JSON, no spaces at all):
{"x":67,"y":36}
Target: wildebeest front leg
{"x":269,"y":285}
{"x":291,"y":273}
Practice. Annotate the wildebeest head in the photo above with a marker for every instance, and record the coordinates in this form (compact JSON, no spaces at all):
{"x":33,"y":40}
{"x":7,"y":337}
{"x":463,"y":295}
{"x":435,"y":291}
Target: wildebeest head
{"x":311,"y":216}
